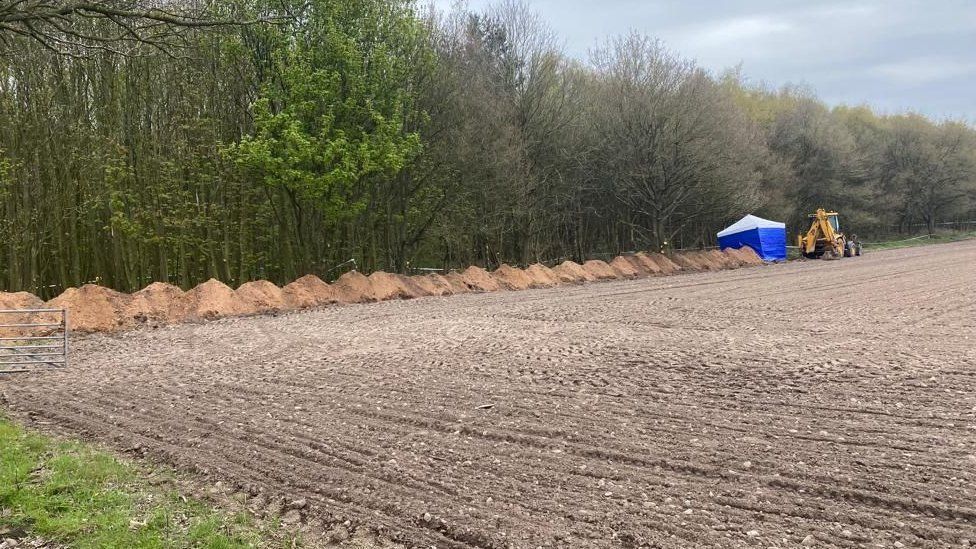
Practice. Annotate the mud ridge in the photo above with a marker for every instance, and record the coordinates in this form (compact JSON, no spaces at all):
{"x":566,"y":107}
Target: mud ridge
{"x":95,"y":308}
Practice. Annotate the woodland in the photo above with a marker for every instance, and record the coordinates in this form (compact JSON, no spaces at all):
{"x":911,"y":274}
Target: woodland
{"x":273,"y":139}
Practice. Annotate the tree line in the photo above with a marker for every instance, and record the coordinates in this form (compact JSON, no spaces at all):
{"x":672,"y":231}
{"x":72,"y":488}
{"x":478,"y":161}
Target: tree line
{"x":381,"y":134}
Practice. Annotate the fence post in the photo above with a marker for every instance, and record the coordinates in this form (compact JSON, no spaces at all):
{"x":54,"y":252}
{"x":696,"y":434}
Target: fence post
{"x":64,"y":318}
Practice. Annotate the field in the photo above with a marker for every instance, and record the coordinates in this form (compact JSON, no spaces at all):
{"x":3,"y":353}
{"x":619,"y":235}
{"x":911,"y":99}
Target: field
{"x":815,"y":403}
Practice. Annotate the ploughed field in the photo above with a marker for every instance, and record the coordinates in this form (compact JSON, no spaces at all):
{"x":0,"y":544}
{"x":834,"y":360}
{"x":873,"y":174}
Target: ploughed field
{"x":816,"y":403}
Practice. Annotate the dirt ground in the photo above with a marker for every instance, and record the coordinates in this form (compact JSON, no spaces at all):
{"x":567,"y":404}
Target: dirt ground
{"x":809,"y":404}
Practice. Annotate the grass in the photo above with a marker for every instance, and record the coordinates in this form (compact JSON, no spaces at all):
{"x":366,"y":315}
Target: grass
{"x":71,"y":493}
{"x":938,"y":238}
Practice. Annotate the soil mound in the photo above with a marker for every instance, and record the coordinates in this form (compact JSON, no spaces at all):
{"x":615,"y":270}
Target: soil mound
{"x":624,"y":268}
{"x":571,"y":272}
{"x":718,"y":259}
{"x":686,"y":262}
{"x":512,"y":278}
{"x":213,"y":299}
{"x":15,"y":301}
{"x":93,"y":308}
{"x":748,"y":256}
{"x":542,"y":276}
{"x":262,"y":296}
{"x":667,"y":266}
{"x":708,"y":261}
{"x":458,"y":285}
{"x":729,"y":260}
{"x":388,"y":286}
{"x":433,"y":284}
{"x":600,"y":270}
{"x":307,"y":292}
{"x":410,"y":285}
{"x":479,"y":280}
{"x":157,"y":303}
{"x":644,"y":264}
{"x":353,"y":287}
{"x":20,"y":300}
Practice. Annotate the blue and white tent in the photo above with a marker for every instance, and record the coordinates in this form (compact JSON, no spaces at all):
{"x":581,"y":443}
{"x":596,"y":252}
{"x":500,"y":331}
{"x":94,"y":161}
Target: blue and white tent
{"x":767,"y":238}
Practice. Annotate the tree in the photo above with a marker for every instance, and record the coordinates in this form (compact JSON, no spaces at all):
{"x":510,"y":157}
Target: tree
{"x":364,"y":130}
{"x":931,"y":168}
{"x":332,"y":124}
{"x":73,"y":27}
{"x":673,"y":147}
{"x":826,"y":170}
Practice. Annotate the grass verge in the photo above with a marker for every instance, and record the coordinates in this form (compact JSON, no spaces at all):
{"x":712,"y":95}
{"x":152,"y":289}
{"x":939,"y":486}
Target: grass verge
{"x":938,"y":238}
{"x":70,"y":493}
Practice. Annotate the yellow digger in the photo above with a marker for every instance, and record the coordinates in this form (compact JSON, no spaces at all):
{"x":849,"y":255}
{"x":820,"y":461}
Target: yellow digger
{"x":824,"y":239}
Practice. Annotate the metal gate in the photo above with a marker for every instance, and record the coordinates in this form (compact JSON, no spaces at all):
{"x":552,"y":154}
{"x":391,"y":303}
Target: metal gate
{"x":31,"y":338}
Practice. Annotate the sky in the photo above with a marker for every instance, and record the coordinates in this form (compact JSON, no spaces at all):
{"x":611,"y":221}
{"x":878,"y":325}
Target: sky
{"x":894,"y":55}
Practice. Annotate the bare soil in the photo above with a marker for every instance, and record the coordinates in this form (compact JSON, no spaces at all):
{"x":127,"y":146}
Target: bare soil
{"x":308,"y":292}
{"x":457,"y":282}
{"x":624,"y":267}
{"x":20,"y":300}
{"x":686,"y":262}
{"x":746,"y":255}
{"x":388,"y":286}
{"x":262,"y":296}
{"x":665,"y":263}
{"x":599,"y":270}
{"x":830,"y":404}
{"x":94,"y":308}
{"x":353,"y":287}
{"x":542,"y":276}
{"x":511,"y":278}
{"x":480,"y":280}
{"x":570,"y":272}
{"x":210,"y":300}
{"x":158,"y":303}
{"x":644,"y":264}
{"x":433,"y":284}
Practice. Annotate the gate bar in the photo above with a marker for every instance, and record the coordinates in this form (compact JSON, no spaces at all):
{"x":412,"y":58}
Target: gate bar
{"x":52,"y":362}
{"x":23,"y":349}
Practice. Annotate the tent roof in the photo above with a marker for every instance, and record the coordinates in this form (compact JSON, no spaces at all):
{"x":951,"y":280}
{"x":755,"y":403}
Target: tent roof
{"x":749,"y":223}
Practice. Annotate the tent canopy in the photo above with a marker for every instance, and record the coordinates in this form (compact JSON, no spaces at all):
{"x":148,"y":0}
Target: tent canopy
{"x":767,"y":238}
{"x":749,"y":223}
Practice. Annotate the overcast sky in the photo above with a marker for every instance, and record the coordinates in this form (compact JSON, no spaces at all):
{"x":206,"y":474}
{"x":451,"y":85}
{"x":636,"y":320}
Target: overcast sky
{"x":895,"y":55}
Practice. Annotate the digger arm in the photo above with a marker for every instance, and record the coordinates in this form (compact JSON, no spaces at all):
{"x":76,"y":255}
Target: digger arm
{"x":820,"y":228}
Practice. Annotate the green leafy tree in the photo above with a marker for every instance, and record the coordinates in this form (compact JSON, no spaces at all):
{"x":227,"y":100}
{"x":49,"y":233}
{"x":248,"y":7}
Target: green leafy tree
{"x":333,"y":120}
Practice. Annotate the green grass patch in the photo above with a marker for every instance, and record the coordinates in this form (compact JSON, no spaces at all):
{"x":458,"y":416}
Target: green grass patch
{"x":938,"y":238}
{"x":72,"y":493}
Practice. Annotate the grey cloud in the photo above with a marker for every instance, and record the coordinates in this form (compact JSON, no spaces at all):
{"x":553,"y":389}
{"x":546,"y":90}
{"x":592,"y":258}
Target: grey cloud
{"x":895,"y":55}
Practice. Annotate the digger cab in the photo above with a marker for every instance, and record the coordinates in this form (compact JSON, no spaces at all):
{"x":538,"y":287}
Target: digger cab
{"x":833,"y":218}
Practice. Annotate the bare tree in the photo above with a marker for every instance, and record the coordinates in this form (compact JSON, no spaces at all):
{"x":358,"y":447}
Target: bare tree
{"x":540,"y":84}
{"x":76,"y":28}
{"x":669,"y":142}
{"x":930,"y":167}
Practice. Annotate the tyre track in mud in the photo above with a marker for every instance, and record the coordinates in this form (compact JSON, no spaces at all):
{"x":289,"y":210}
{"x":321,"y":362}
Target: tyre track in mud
{"x":715,"y":409}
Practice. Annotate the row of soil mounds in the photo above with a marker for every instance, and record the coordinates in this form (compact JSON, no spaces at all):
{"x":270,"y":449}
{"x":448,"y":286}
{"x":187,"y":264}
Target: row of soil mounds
{"x":93,"y":308}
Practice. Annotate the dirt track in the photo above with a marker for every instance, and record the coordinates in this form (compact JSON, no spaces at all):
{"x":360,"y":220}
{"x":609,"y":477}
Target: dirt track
{"x":716,"y":409}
